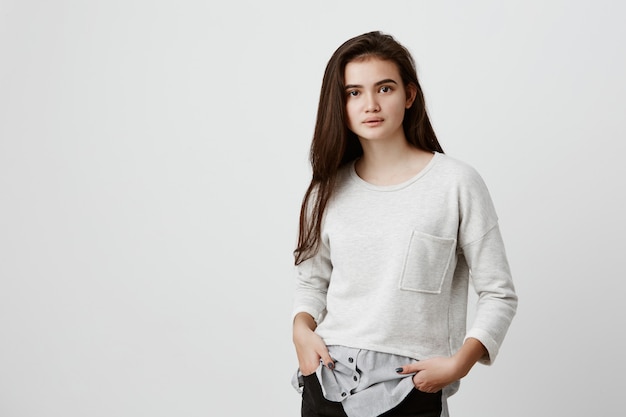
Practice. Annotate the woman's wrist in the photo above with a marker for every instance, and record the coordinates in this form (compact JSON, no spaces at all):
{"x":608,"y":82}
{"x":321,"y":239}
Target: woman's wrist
{"x":303,"y":322}
{"x":471,"y":351}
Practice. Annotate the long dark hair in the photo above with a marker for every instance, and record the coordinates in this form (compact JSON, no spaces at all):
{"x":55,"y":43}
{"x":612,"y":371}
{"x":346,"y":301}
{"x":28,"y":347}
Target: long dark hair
{"x":334,"y":145}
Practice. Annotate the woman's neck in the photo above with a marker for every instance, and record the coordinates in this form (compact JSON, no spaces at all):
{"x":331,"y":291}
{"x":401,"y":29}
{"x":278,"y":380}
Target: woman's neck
{"x":382,"y":164}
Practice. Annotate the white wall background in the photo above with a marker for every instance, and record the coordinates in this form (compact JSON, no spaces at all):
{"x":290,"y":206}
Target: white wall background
{"x":152,"y":159}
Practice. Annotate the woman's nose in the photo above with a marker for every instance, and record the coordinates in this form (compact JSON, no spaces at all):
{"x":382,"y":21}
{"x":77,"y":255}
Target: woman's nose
{"x":372,"y":105}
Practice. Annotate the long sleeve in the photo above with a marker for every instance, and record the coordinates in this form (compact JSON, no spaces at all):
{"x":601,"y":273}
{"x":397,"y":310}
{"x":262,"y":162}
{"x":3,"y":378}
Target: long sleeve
{"x":492,"y":281}
{"x":482,"y":246}
{"x":312,"y":279}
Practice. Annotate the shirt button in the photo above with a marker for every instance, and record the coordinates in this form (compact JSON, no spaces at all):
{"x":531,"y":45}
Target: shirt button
{"x":343,"y":394}
{"x":350,"y":360}
{"x":355,"y":378}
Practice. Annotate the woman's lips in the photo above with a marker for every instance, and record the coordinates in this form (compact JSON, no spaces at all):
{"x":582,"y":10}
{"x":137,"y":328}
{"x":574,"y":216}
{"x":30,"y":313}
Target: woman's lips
{"x":373,"y":122}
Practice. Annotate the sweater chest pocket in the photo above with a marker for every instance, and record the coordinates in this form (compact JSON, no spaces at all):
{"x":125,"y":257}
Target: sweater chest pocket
{"x":426,"y":263}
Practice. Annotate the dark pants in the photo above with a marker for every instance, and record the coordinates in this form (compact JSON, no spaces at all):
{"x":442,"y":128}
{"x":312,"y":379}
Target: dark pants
{"x":416,"y":404}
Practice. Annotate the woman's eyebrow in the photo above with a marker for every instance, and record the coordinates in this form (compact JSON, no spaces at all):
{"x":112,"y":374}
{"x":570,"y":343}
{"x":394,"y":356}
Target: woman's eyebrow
{"x":385,"y":81}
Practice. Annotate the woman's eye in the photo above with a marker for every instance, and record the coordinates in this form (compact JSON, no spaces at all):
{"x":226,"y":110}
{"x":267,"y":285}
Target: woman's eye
{"x":353,"y":93}
{"x":385,"y":89}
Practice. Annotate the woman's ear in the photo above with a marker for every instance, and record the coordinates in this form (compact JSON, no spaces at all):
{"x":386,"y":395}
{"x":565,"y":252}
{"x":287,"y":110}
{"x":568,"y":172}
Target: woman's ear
{"x":411,"y":93}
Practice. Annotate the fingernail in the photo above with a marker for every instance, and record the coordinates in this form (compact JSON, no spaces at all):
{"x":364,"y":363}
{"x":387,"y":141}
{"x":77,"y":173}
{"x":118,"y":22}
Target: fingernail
{"x":331,"y":365}
{"x":399,"y":370}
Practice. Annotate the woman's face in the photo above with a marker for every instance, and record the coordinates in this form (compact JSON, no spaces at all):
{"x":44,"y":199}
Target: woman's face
{"x":376,"y":99}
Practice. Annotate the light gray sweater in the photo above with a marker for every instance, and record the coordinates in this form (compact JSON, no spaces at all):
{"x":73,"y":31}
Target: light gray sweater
{"x":393,"y":269}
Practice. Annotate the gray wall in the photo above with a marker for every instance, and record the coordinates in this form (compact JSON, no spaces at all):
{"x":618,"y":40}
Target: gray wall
{"x":153,"y":155}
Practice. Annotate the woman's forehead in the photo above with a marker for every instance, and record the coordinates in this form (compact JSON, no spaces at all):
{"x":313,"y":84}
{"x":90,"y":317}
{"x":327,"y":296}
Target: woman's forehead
{"x":370,"y":70}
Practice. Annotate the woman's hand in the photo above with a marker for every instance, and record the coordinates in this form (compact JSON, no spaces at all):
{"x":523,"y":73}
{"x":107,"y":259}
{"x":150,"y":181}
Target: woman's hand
{"x":310,"y":348}
{"x":434,"y":374}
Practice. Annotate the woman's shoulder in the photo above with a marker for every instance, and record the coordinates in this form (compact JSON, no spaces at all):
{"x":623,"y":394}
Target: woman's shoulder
{"x":468,"y":182}
{"x":454,"y":163}
{"x":457,"y":169}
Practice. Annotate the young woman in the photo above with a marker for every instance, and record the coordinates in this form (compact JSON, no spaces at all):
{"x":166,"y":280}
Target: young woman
{"x":390,"y":229}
